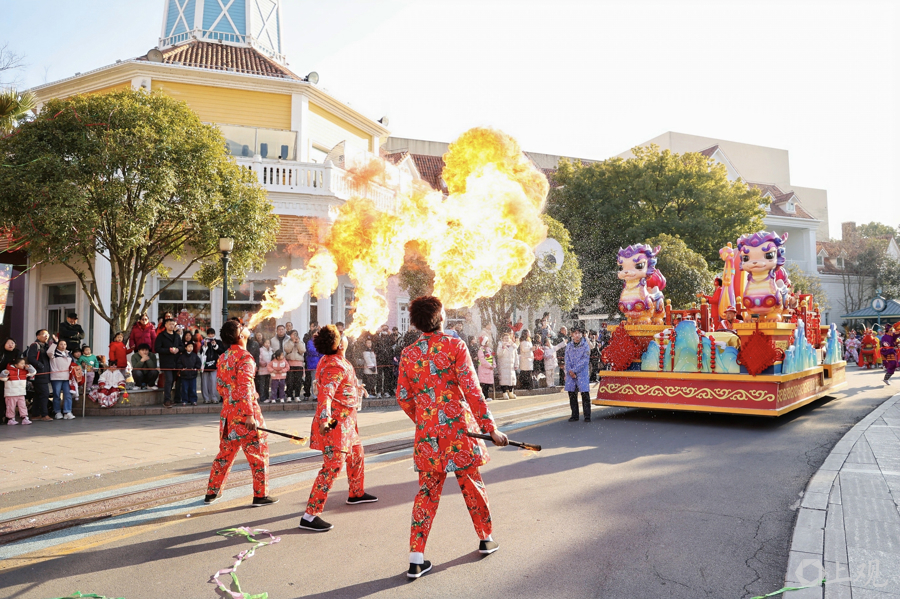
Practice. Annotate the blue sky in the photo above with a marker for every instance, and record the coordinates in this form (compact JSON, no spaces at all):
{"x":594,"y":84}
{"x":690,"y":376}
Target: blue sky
{"x":588,"y":79}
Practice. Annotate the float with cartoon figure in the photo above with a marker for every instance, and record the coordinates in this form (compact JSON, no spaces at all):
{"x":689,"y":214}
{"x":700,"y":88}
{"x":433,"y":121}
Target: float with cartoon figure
{"x":753,"y":347}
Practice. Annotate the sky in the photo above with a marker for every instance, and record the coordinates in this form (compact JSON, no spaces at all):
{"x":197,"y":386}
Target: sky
{"x":587,"y":79}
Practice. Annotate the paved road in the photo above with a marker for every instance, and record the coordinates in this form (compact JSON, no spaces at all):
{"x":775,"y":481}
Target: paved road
{"x":635,"y":504}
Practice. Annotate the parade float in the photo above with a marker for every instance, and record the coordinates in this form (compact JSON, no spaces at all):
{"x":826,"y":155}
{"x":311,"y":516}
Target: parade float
{"x":753,"y":347}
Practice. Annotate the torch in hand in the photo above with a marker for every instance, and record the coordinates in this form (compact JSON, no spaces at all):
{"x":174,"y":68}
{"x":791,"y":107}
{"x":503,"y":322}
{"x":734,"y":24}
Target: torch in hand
{"x":528,"y":446}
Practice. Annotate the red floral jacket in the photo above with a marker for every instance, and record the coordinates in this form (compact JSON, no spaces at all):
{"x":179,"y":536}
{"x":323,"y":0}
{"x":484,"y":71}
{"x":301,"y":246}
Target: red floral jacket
{"x":338,"y":394}
{"x":234,"y":381}
{"x":438,"y":390}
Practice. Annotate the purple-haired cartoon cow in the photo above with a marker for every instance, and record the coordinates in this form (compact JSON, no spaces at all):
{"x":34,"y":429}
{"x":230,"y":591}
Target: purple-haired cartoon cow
{"x":767,"y":291}
{"x":642,"y":299}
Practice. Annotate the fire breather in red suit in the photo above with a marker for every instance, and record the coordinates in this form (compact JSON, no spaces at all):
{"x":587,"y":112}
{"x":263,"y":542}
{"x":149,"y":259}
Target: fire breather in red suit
{"x":438,"y":390}
{"x":339,"y":398}
{"x":234,"y":382}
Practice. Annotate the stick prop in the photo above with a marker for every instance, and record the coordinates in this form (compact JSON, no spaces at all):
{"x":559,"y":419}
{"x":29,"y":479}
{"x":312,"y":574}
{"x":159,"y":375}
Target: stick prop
{"x":529,"y":446}
{"x":292,"y":437}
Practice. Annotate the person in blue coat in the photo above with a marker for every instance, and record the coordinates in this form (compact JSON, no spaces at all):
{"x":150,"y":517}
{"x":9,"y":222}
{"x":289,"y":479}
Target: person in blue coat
{"x":578,"y":372}
{"x":312,"y":358}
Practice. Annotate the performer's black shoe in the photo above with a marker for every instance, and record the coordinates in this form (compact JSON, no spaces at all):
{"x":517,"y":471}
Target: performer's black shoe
{"x":316,"y":525}
{"x":573,"y":419}
{"x":211,"y":498}
{"x":488,"y":547}
{"x":587,"y":418}
{"x":261,"y":501}
{"x":416,"y":570}
{"x":364,"y":498}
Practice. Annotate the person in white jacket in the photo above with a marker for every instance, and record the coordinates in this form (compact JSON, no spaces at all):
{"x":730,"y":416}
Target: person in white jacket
{"x":550,"y":362}
{"x":526,"y":360}
{"x":60,"y":360}
{"x":507,"y":361}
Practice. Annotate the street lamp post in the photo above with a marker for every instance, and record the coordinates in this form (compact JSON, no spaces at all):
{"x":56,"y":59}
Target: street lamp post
{"x":226,"y":245}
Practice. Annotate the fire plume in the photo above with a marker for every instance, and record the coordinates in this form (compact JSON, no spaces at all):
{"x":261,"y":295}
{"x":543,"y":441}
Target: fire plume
{"x":478,"y":238}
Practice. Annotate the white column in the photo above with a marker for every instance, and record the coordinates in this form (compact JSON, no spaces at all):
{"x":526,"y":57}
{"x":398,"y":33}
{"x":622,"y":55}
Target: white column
{"x":809,"y":241}
{"x":103,"y":283}
{"x":300,"y":124}
{"x":376,"y":145}
{"x":35,"y":305}
{"x":324,"y":310}
{"x":198,"y":23}
{"x":299,"y":315}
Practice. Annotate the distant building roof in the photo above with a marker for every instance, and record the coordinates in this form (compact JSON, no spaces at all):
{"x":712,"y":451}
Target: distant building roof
{"x":780,"y":199}
{"x":891,"y":311}
{"x":223,"y":57}
{"x":431,"y":168}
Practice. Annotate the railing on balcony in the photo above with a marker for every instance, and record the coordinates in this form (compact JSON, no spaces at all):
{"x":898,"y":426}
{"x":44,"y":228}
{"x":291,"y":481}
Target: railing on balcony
{"x":317,"y":179}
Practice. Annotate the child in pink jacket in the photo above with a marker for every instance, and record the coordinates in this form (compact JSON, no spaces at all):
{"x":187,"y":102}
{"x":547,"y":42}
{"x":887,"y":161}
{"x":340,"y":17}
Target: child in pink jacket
{"x":278,"y":369}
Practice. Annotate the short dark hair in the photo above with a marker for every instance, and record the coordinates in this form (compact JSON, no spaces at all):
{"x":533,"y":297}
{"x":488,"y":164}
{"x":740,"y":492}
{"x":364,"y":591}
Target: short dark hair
{"x":231,"y":332}
{"x":210,"y":331}
{"x":168,"y":320}
{"x":313,"y":323}
{"x":327,"y":340}
{"x":38,"y":334}
{"x":143,"y":346}
{"x":191,"y":343}
{"x":278,"y":352}
{"x":425,"y":313}
{"x":339,"y":324}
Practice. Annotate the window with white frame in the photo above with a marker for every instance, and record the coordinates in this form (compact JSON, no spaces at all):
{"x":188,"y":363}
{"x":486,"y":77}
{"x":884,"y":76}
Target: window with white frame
{"x":187,"y":301}
{"x":840,"y":262}
{"x":246,"y":299}
{"x":403,"y":317}
{"x":820,"y":260}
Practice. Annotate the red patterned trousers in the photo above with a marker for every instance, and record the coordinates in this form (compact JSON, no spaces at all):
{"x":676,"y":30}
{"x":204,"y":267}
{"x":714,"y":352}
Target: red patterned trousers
{"x":331,"y":467}
{"x":429,"y":496}
{"x":257,"y":452}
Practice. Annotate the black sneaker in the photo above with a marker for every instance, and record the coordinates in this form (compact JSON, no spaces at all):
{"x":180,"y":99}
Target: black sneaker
{"x":573,"y":419}
{"x":261,"y":501}
{"x":488,"y":547}
{"x":364,"y":498}
{"x":315,"y":525}
{"x":587,"y":418}
{"x":416,"y":570}
{"x":211,"y":498}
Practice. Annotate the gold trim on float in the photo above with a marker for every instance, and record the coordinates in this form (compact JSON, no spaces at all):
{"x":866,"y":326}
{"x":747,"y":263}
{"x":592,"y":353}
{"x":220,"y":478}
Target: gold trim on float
{"x":710,"y":376}
{"x":717,"y":409}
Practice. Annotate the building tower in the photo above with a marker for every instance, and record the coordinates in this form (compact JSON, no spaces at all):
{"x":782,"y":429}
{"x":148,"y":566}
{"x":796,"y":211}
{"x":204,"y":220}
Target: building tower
{"x":243,"y":23}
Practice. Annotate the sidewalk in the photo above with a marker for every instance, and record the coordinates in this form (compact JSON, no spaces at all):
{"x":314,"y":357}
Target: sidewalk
{"x":848,"y":527}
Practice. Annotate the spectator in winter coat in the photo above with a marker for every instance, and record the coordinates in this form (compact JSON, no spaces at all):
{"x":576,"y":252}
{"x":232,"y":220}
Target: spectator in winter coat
{"x":370,"y":368}
{"x":9,"y":354}
{"x":312,"y":361}
{"x":118,"y":355}
{"x":384,"y":353}
{"x":507,"y":361}
{"x":550,"y":360}
{"x":71,"y":332}
{"x":212,"y":349}
{"x":143,"y":331}
{"x":263,"y":376}
{"x":14,"y":375}
{"x":577,"y":367}
{"x":278,"y":369}
{"x":168,"y":346}
{"x":280,"y":337}
{"x":40,"y":361}
{"x":526,"y":360}
{"x":189,"y":367}
{"x":60,"y":360}
{"x":561,"y":341}
{"x":486,"y":365}
{"x":161,"y":325}
{"x":294,"y":353}
{"x":89,"y":365}
{"x":143,"y":367}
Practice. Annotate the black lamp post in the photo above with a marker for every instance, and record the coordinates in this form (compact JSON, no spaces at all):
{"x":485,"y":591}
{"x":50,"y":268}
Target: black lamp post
{"x":226,"y":245}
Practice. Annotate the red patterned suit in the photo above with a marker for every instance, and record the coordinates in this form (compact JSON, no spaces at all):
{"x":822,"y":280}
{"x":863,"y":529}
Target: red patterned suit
{"x":438,"y":390}
{"x":339,"y":397}
{"x":234,"y":382}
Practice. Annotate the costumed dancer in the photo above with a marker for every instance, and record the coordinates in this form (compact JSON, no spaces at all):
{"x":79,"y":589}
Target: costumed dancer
{"x":438,"y":390}
{"x":240,"y":418}
{"x":852,"y":345}
{"x":889,"y":355}
{"x":334,"y":428}
{"x":578,"y":374}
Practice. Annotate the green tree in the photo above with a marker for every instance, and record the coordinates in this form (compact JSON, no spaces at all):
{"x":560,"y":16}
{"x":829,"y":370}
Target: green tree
{"x":875,"y":229}
{"x":805,"y":283}
{"x":615,"y":203}
{"x":687,"y":272}
{"x":14,"y":108}
{"x":133,"y":179}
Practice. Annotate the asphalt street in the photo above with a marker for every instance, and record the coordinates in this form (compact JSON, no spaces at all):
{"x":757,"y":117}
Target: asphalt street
{"x":636,"y":504}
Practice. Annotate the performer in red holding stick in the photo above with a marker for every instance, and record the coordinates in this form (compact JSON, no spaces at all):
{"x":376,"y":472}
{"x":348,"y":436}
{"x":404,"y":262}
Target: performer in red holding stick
{"x":438,"y":390}
{"x":334,"y":428}
{"x":239,"y":418}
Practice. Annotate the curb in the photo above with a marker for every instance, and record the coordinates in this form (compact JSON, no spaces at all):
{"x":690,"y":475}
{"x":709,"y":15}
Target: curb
{"x":819,"y":543}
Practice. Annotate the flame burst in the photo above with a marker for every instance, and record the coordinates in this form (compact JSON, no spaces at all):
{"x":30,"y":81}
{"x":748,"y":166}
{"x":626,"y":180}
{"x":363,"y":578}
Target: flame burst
{"x":477,"y":239}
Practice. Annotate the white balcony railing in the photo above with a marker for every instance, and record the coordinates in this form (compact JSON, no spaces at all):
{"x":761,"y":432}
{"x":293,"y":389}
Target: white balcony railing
{"x":316,"y":179}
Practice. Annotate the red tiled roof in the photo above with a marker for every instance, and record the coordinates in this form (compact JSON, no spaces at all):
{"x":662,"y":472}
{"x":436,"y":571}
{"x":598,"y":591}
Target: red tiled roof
{"x":222,"y":57}
{"x":780,"y":197}
{"x":394,"y":158}
{"x":708,"y":152}
{"x":430,"y":168}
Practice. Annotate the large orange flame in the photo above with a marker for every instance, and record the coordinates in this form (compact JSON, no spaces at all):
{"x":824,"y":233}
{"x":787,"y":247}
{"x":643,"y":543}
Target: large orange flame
{"x":480,"y":237}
